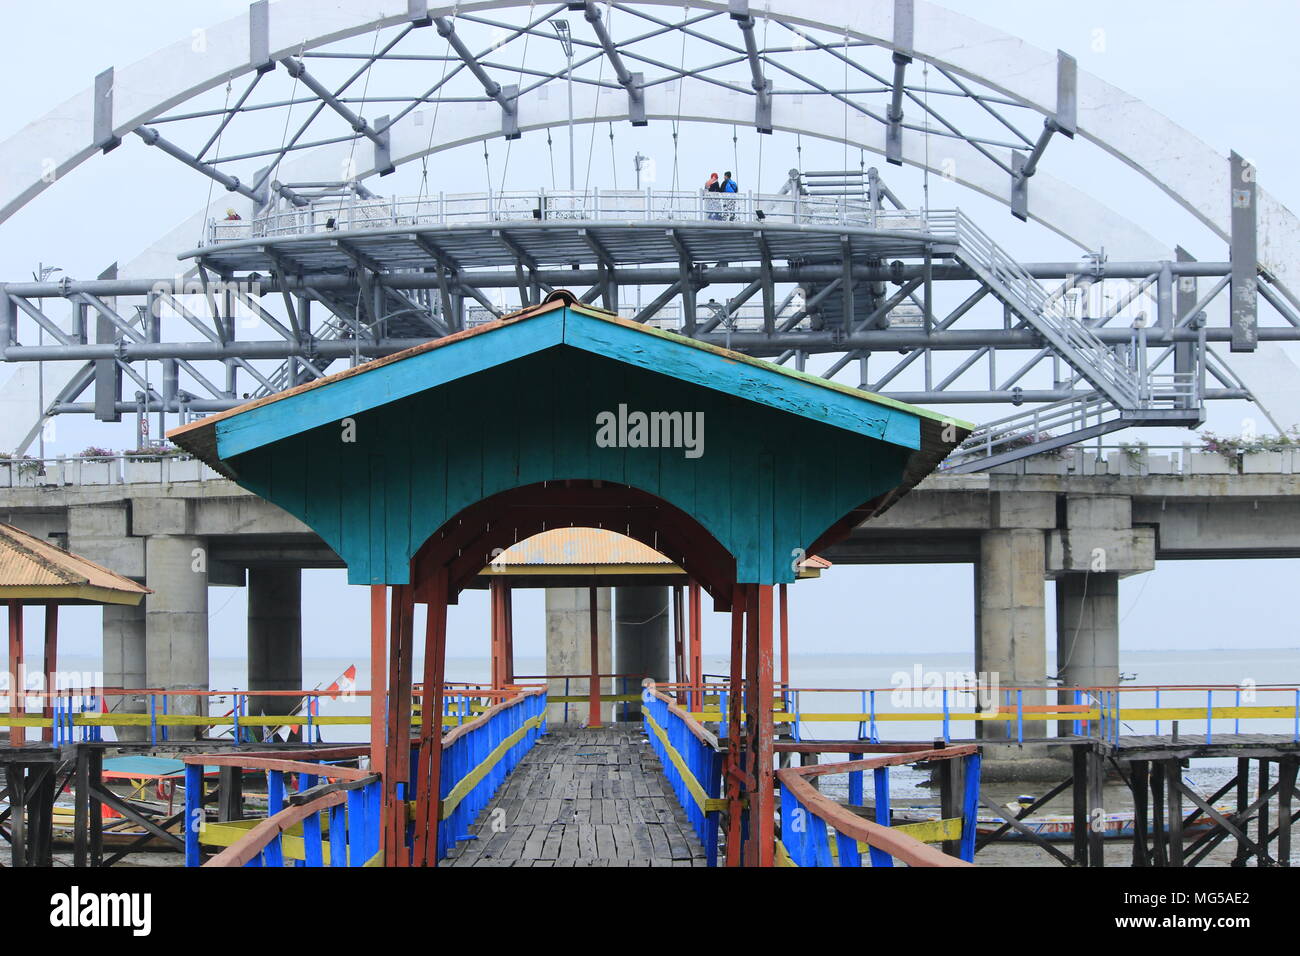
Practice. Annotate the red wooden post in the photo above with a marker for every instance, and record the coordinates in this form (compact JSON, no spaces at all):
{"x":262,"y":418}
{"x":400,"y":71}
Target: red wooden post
{"x":593,"y":715}
{"x":51,"y":664}
{"x":496,"y":601}
{"x":397,"y":750}
{"x":735,"y":703}
{"x":785,"y":638}
{"x":428,"y":782}
{"x":378,"y":672}
{"x":696,"y":667}
{"x":17,"y":735}
{"x":679,"y":645}
{"x":760,"y":728}
{"x":508,"y":603}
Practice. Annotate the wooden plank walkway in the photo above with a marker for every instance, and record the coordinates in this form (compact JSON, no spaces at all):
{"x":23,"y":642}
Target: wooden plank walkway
{"x":584,"y":797}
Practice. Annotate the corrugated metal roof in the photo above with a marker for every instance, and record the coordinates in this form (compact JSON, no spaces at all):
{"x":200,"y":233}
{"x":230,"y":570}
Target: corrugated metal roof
{"x":586,"y":547}
{"x":33,"y":568}
{"x":580,"y":546}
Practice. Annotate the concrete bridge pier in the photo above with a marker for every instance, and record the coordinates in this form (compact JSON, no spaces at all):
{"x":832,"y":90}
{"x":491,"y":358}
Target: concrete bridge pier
{"x":641,"y":636}
{"x":568,"y":649}
{"x":1096,"y":545}
{"x":1011,"y":622}
{"x":274,"y":636}
{"x":176,"y":621}
{"x":124,"y":662}
{"x":1087,"y":630}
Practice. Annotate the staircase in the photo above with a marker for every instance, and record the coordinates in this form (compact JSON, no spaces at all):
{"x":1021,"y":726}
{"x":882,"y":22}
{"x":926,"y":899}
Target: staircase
{"x":1023,"y":294}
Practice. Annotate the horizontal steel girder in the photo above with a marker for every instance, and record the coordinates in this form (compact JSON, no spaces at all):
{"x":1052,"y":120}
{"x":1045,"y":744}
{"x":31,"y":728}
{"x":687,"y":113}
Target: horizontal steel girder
{"x":205,"y":406}
{"x":751,"y":343}
{"x":649,"y":275}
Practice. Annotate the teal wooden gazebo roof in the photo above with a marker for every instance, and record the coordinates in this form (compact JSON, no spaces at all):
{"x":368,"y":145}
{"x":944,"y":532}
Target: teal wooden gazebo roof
{"x":378,"y":458}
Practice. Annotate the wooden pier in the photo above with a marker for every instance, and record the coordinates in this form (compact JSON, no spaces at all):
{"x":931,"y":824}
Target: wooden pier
{"x":584,"y":797}
{"x":1261,"y":822}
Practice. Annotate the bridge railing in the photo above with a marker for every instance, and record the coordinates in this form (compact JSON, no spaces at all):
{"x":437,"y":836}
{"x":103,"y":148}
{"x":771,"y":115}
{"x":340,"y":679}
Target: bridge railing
{"x":953,"y":710}
{"x":479,"y":755}
{"x":75,"y":715}
{"x":645,"y":205}
{"x":332,"y":820}
{"x":102,"y":470}
{"x":1142,"y":459}
{"x":692,"y":762}
{"x":817,"y":831}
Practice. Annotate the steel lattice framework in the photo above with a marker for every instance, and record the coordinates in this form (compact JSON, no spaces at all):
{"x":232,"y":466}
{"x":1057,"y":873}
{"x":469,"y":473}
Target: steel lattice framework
{"x":299,"y":109}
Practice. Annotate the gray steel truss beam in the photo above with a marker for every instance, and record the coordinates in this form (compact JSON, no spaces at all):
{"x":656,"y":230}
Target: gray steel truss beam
{"x":634,"y":276}
{"x":1064,"y":121}
{"x":358,"y":123}
{"x":903,"y":22}
{"x":628,"y":80}
{"x":232,"y":184}
{"x":761,"y":84}
{"x":493,"y":89}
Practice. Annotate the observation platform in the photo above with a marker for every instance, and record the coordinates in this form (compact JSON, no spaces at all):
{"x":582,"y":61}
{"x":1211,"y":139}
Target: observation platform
{"x":541,"y":228}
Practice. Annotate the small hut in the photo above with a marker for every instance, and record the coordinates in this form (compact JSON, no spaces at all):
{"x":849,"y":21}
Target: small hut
{"x":33,"y":571}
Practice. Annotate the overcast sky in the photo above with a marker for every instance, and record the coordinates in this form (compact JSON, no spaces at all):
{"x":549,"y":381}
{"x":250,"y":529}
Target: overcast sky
{"x":1226,"y":72}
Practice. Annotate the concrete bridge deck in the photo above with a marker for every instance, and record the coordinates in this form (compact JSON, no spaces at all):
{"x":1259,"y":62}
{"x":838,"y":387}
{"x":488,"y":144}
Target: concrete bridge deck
{"x":584,"y":797}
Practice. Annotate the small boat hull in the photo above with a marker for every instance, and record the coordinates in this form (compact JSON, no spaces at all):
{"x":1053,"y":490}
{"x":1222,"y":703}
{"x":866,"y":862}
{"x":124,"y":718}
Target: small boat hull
{"x":1115,"y":826}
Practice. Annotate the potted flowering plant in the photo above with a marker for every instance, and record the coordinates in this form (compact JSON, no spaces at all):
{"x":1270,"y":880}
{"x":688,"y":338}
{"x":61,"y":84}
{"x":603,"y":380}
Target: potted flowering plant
{"x":95,"y":466}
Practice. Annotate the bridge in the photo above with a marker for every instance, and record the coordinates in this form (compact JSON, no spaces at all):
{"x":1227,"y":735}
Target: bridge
{"x":1049,"y":512}
{"x":404,"y":386}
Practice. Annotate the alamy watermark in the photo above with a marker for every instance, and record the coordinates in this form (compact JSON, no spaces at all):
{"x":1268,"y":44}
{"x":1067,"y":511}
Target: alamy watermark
{"x":923,"y":688}
{"x":77,"y":908}
{"x":29,"y":681}
{"x":635,"y":429}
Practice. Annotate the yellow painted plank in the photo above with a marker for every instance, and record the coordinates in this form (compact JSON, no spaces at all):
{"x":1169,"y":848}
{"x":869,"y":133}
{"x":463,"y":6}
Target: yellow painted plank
{"x":702,"y":799}
{"x":929,"y":831}
{"x":291,"y":841}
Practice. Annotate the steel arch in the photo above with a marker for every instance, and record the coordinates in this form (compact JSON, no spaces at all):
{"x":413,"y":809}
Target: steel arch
{"x":1178,"y":163}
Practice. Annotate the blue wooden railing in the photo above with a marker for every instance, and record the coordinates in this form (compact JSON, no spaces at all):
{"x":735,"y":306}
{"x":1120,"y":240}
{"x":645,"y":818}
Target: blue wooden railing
{"x":333,"y":820}
{"x":817,"y":831}
{"x":692,"y":762}
{"x":478,"y":756}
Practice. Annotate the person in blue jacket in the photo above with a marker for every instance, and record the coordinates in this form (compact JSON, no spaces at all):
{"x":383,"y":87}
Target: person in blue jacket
{"x":729,"y":186}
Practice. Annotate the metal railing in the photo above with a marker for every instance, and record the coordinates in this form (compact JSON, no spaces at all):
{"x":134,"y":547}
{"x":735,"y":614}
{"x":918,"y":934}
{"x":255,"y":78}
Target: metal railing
{"x":1096,"y":361}
{"x":1024,"y":710}
{"x":1030,"y":427}
{"x":645,"y":205}
{"x":81,"y":715}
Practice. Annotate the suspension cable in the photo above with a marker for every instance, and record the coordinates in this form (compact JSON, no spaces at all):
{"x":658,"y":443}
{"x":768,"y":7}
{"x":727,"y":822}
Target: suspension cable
{"x":350,"y":170}
{"x":518,"y":82}
{"x":207,"y":206}
{"x":681,"y":87}
{"x":437,"y":106}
